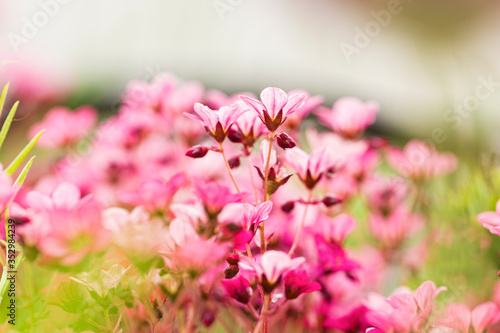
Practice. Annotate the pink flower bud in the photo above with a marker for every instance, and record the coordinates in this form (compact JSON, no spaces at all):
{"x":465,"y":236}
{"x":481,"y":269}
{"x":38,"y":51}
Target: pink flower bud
{"x":285,"y":141}
{"x":197,"y":152}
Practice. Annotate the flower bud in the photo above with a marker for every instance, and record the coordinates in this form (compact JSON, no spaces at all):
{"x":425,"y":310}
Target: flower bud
{"x":234,"y":162}
{"x":235,"y":136}
{"x":197,"y":151}
{"x":285,"y":141}
{"x":233,"y":258}
{"x":330,"y":201}
{"x":288,"y":206}
{"x":231,"y":271}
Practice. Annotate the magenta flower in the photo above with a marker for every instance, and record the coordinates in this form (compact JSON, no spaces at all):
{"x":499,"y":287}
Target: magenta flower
{"x":273,"y":266}
{"x":491,"y":220}
{"x":238,"y":288}
{"x":64,"y":127}
{"x":275,"y":107}
{"x":217,"y":123}
{"x":459,"y":317}
{"x":332,"y":258}
{"x":420,"y":161}
{"x":349,"y":116}
{"x":154,"y":195}
{"x":310,"y":168}
{"x":297,"y":283}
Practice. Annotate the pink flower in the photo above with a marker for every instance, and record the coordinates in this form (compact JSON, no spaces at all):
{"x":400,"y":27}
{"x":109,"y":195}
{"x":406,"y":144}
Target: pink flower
{"x":244,"y":215}
{"x":65,"y":227}
{"x":217,"y":123}
{"x":214,"y":196}
{"x":420,"y":161}
{"x":275,"y":107}
{"x":311,"y":103}
{"x":273,"y":265}
{"x":277,"y":174}
{"x":491,"y":220}
{"x":395,"y":228}
{"x":64,"y":127}
{"x":334,"y":229}
{"x":310,"y":168}
{"x":196,"y":255}
{"x":483,"y":316}
{"x":248,"y":128}
{"x":297,"y":283}
{"x":384,"y":194}
{"x":154,"y":195}
{"x":6,"y":190}
{"x":349,"y":116}
{"x":238,"y":288}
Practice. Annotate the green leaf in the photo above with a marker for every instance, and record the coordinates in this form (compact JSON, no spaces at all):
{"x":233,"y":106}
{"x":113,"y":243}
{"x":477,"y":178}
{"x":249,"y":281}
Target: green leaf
{"x":3,"y":96}
{"x":22,"y":176}
{"x":22,"y":155}
{"x":8,"y":121}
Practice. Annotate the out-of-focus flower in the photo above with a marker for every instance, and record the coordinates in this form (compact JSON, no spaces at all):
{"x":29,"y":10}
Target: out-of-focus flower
{"x":196,"y":255}
{"x":238,"y":288}
{"x":332,"y":258}
{"x":420,"y":161}
{"x":310,"y":168}
{"x":393,"y":229}
{"x":334,"y":229}
{"x":154,"y":195}
{"x":214,"y":196}
{"x":65,"y":227}
{"x":311,"y":103}
{"x":217,"y":123}
{"x":276,"y":106}
{"x":349,"y":116}
{"x":272,"y":267}
{"x":64,"y":127}
{"x":491,"y":220}
{"x":459,"y":317}
{"x":297,"y":283}
{"x":403,"y":311}
{"x":6,"y":190}
{"x":385,"y":194}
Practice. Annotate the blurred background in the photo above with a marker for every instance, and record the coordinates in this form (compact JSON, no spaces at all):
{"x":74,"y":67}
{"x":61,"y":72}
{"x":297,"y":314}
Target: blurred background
{"x":432,"y":65}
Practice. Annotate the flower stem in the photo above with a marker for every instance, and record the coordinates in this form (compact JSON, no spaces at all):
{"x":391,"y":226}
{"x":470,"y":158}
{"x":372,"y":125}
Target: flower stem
{"x":301,"y":227}
{"x":263,"y":245}
{"x":249,"y":252}
{"x":266,"y":172}
{"x":263,"y":320}
{"x":253,"y":182}
{"x":230,"y":173}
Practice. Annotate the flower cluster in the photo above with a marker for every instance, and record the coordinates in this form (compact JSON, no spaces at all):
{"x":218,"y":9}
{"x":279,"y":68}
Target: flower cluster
{"x":245,"y":223}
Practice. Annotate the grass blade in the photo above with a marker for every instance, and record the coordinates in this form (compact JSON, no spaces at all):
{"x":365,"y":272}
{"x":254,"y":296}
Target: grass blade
{"x":3,"y":96}
{"x":22,"y":176}
{"x":22,"y":155}
{"x":6,"y":124}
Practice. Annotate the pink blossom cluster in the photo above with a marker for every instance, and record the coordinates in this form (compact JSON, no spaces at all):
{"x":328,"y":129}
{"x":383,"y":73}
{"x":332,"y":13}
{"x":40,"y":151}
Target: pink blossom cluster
{"x":232,"y":212}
